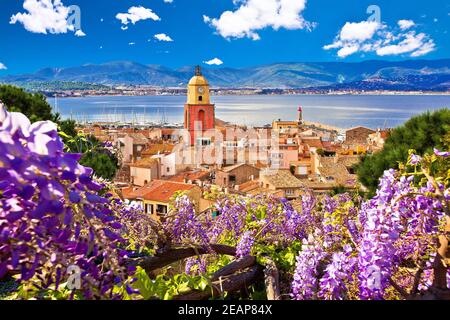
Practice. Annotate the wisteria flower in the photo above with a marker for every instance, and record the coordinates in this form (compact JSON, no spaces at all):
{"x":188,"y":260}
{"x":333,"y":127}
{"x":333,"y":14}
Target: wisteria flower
{"x":441,"y":153}
{"x":415,"y":159}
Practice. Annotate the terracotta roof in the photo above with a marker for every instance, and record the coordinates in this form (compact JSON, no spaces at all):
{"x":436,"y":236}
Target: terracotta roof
{"x":168,"y":131}
{"x":145,"y":163}
{"x":313,"y":142}
{"x":190,"y":175}
{"x":160,"y":191}
{"x":330,"y":167}
{"x":283,"y":179}
{"x":360,"y":127}
{"x":127,"y":192}
{"x":349,"y":161}
{"x":385,"y":134}
{"x":138,"y":138}
{"x":264,"y":191}
{"x":317,"y":185}
{"x":249,"y":185}
{"x":254,"y":188}
{"x":159,"y":148}
{"x":231,"y":168}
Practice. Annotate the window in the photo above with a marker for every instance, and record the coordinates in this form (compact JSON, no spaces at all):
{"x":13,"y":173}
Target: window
{"x":202,"y":118}
{"x":168,"y":169}
{"x":290,"y":192}
{"x":303,"y":171}
{"x":200,"y":98}
{"x":204,"y":141}
{"x":233,"y":179}
{"x":161,"y":209}
{"x":148,"y":208}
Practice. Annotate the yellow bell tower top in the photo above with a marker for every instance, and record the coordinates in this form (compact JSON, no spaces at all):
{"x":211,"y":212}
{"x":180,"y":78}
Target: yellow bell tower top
{"x":198,"y":89}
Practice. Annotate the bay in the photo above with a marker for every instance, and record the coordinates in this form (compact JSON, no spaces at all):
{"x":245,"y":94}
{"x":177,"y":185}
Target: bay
{"x":342,"y":111}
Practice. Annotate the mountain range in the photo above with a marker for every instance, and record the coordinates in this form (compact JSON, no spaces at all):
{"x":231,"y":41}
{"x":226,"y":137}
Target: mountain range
{"x":433,"y":75}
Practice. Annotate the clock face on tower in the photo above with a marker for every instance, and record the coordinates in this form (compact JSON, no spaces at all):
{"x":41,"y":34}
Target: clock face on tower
{"x":201,"y":90}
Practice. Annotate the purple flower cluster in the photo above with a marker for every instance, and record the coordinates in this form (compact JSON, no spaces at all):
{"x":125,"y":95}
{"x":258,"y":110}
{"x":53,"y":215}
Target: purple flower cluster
{"x":245,"y":244}
{"x":51,"y":216}
{"x":231,"y":219}
{"x":337,"y":274}
{"x":293,"y":225}
{"x":305,"y":284}
{"x":382,"y":228}
{"x":183,"y":224}
{"x":195,"y":266}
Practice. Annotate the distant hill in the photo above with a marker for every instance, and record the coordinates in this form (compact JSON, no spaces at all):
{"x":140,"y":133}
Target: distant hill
{"x":367,"y":75}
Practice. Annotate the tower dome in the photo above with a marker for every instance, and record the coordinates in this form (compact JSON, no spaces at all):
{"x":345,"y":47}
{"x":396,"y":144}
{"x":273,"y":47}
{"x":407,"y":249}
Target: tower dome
{"x":198,"y":89}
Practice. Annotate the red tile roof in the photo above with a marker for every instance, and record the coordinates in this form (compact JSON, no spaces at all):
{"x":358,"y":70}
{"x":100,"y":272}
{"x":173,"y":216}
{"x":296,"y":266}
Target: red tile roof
{"x":158,"y":149}
{"x":313,"y":142}
{"x":160,"y":191}
{"x":145,"y":163}
{"x":190,"y":175}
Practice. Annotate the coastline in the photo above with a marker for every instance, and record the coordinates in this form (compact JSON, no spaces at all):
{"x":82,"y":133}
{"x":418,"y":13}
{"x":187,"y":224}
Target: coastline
{"x":387,"y":93}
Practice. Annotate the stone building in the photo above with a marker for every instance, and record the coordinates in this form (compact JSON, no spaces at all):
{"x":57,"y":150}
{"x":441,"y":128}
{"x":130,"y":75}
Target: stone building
{"x":235,"y":175}
{"x":358,"y":135}
{"x":144,"y":171}
{"x":284,"y":181}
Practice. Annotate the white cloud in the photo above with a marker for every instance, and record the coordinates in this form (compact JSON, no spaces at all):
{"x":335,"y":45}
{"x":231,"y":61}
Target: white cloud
{"x":131,"y":43}
{"x":215,"y":61}
{"x":381,"y":39}
{"x":347,"y":51}
{"x":416,"y":44}
{"x":2,"y":66}
{"x":44,"y":16}
{"x":359,"y":30}
{"x":80,"y":33}
{"x":136,"y":14}
{"x":254,"y":15}
{"x":406,"y":24}
{"x":163,"y":37}
{"x":168,"y":1}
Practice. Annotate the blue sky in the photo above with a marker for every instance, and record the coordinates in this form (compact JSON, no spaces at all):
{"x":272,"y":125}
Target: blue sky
{"x":252,"y":32}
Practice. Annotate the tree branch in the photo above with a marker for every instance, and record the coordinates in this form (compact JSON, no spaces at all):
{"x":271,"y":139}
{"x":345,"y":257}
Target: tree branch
{"x":234,"y":266}
{"x":399,"y":289}
{"x":228,"y":284}
{"x":272,"y":280}
{"x":172,"y":255}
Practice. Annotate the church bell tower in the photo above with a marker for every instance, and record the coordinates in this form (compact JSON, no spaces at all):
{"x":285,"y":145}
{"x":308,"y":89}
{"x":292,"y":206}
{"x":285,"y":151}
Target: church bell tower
{"x":199,"y":113}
